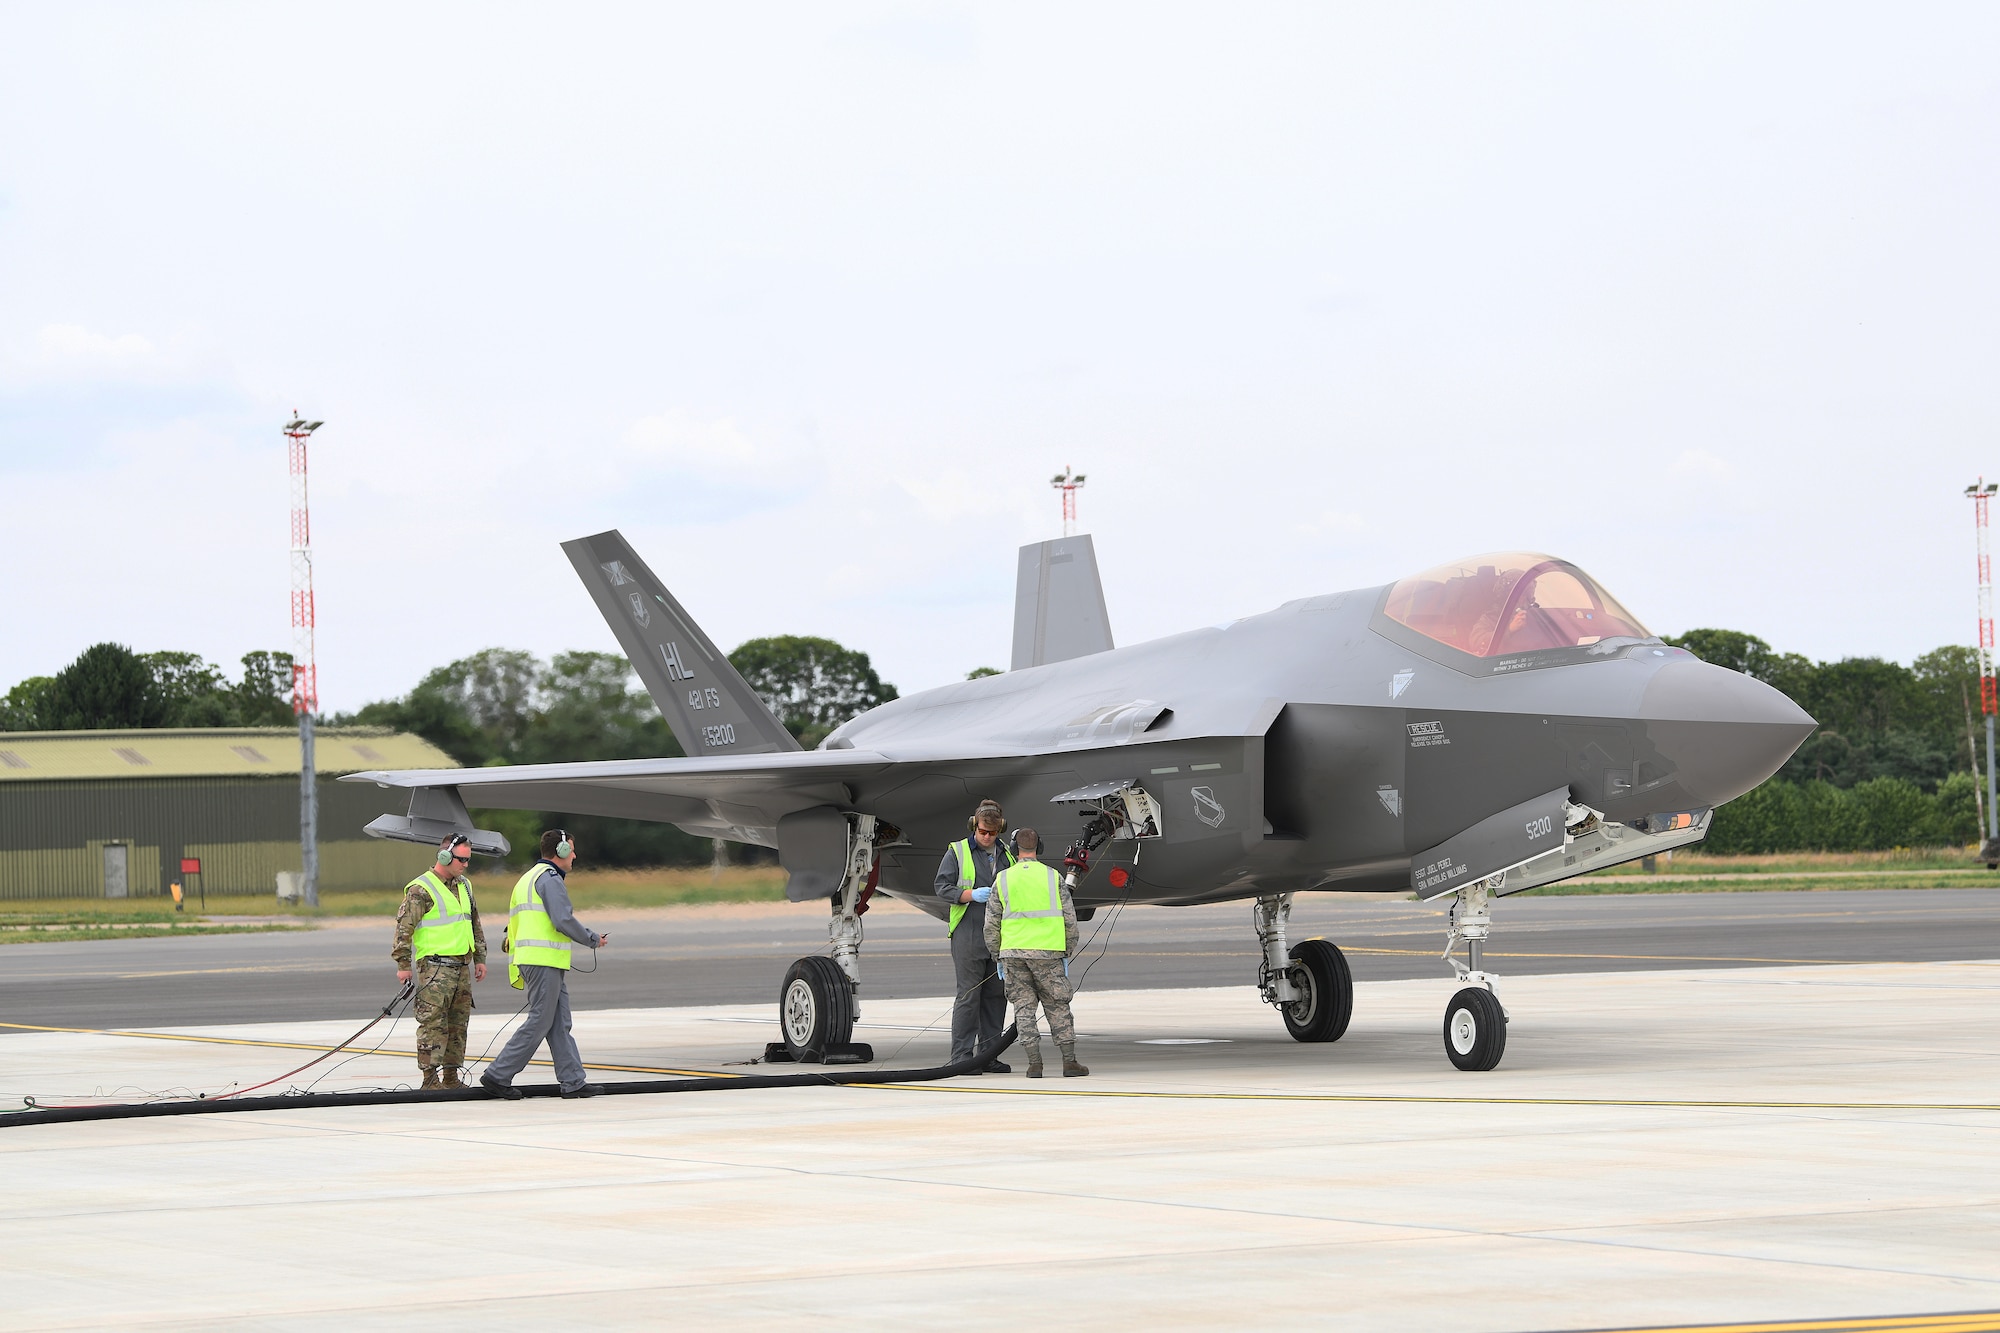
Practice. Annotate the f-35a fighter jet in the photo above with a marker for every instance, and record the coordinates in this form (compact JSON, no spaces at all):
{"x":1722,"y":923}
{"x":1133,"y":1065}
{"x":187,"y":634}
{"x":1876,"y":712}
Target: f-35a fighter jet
{"x":1484,"y":727}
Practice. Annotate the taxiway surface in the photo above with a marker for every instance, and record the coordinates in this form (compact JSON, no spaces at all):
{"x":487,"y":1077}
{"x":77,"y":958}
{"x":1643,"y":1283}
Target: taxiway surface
{"x":738,"y":954}
{"x":1658,"y":1147}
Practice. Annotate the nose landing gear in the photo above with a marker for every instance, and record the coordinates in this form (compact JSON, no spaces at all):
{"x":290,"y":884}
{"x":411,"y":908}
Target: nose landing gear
{"x":1475,"y":1022}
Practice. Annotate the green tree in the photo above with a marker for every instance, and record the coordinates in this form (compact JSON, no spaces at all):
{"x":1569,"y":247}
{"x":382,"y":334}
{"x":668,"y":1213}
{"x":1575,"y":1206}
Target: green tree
{"x":981,"y":673}
{"x":590,"y":710}
{"x":477,"y":709}
{"x":1727,"y":648}
{"x":26,"y":706}
{"x":812,"y":684}
{"x":263,"y":696}
{"x":192,"y":692}
{"x":108,"y":686}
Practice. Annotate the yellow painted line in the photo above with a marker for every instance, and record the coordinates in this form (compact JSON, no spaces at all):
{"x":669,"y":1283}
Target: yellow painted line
{"x":1981,"y":1322}
{"x":1657,"y":957}
{"x":1398,"y":1097}
{"x":308,"y":1046}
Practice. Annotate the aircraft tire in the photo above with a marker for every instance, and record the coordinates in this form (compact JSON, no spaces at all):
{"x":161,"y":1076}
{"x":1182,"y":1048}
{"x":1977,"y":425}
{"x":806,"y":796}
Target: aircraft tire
{"x":1329,"y":1002}
{"x":1475,"y":1030}
{"x":815,"y":1009}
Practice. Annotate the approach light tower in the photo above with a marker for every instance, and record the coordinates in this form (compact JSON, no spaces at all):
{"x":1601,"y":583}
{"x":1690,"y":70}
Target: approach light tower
{"x":1068,"y":483}
{"x":1979,"y":493}
{"x":305,"y":672}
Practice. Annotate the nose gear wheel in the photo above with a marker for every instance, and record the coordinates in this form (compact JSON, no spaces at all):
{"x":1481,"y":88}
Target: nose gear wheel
{"x":1475,"y":1030}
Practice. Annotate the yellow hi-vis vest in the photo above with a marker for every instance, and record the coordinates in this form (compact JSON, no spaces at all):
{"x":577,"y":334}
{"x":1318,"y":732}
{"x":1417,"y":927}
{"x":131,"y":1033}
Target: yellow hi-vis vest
{"x":446,"y":929}
{"x":532,"y":939}
{"x":1029,"y":897}
{"x":966,"y":875}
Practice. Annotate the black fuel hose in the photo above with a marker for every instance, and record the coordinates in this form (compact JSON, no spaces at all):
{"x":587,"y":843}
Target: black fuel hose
{"x":65,"y":1115}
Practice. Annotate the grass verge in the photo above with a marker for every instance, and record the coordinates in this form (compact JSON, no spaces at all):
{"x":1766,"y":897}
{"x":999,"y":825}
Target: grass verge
{"x":1902,"y":861}
{"x":65,"y":932}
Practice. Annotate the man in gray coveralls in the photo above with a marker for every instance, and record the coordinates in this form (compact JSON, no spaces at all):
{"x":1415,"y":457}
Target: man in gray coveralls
{"x":965,"y":880}
{"x":541,"y":928}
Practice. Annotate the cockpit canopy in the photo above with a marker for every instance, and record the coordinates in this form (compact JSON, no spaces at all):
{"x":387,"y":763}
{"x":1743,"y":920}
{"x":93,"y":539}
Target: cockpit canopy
{"x":1509,"y":602}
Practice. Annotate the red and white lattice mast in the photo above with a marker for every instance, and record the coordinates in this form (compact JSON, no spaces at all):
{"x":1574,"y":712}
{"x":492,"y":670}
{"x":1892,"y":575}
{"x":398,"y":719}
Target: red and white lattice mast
{"x":305,"y":671}
{"x":1979,"y":493}
{"x":1068,"y":482}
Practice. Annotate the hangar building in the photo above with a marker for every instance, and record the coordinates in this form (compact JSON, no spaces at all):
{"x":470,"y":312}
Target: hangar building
{"x":85,"y":814}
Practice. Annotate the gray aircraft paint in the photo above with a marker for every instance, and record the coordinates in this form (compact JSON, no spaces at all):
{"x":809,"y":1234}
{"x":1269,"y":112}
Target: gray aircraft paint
{"x":710,"y":707}
{"x":1059,"y":610}
{"x":1293,"y":723}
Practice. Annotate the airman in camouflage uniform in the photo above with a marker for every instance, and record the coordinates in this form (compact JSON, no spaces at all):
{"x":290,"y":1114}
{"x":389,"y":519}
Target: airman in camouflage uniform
{"x":1036,"y":978}
{"x":443,"y":985}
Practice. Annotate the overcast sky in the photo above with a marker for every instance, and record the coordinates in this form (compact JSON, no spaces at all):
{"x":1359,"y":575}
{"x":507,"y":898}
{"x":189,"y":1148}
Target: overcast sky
{"x":811,"y":301}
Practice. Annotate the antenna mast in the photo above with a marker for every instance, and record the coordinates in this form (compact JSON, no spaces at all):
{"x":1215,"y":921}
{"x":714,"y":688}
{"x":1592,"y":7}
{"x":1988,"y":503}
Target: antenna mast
{"x":305,"y":671}
{"x":1068,"y":482}
{"x":1989,"y":689}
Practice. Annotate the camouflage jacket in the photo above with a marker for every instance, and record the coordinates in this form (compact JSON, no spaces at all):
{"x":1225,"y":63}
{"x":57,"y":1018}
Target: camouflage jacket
{"x":416,"y":902}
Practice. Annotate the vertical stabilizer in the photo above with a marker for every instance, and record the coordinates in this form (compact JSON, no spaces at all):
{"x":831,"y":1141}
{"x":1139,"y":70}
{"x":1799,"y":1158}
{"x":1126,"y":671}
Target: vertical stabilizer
{"x":711,"y":708}
{"x":1059,"y":608}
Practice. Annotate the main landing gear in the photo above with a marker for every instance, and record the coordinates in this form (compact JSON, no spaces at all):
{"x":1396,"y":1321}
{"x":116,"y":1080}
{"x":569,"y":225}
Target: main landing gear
{"x":1308,"y":983}
{"x":1475,"y":1023}
{"x":821,"y":998}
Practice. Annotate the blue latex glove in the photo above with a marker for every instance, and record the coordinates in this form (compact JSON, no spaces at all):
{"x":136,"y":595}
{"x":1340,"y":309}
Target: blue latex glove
{"x":1000,"y":969}
{"x":981,"y":895}
{"x":1065,"y":967}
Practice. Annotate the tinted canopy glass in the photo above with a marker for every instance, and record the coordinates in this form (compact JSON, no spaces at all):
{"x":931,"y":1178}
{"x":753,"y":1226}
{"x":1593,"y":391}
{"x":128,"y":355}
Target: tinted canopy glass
{"x":1509,"y":602}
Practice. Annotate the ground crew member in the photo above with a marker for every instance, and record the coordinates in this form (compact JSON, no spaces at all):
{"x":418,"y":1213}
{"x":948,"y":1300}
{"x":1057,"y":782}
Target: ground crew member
{"x":965,"y":880}
{"x":439,"y":940}
{"x":540,"y":929}
{"x":1031,"y":929}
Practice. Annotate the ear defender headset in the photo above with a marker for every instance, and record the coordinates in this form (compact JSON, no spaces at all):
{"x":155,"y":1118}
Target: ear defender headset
{"x":458,"y":840}
{"x":564,"y":847}
{"x":987,"y":807}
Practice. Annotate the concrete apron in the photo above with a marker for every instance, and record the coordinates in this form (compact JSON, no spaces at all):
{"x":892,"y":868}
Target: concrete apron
{"x":1656,"y":1148}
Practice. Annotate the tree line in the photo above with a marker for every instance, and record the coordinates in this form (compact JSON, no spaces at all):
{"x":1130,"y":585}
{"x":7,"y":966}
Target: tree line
{"x":1892,"y":764}
{"x":1899,"y":758}
{"x":110,"y":687}
{"x":497,"y":706}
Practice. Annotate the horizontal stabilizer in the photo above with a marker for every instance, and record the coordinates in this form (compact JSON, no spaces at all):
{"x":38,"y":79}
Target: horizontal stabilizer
{"x":1059,"y":610}
{"x":711,"y":708}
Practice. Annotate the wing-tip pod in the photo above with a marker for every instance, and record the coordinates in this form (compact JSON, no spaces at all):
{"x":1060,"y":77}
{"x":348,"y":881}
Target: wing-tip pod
{"x":711,"y":708}
{"x":435,"y":814}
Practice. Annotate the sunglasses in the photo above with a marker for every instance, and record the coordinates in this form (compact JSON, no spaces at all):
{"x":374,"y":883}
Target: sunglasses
{"x":463,"y":860}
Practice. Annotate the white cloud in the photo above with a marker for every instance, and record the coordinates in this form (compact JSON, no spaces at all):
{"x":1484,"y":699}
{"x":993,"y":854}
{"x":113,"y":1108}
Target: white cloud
{"x":677,"y":440}
{"x":1701,"y":466}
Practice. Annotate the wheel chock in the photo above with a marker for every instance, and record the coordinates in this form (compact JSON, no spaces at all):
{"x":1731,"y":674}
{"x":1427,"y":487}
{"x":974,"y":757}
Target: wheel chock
{"x":845,"y":1053}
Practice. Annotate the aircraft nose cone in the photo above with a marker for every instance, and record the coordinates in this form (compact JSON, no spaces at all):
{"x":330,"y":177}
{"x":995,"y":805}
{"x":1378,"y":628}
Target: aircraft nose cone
{"x":1724,"y":732}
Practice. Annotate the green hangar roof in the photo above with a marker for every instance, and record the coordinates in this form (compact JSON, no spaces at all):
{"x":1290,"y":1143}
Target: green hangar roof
{"x":55,"y":756}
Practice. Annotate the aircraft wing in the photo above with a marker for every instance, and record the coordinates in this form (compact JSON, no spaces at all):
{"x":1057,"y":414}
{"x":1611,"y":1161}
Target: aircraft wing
{"x":739,"y":797}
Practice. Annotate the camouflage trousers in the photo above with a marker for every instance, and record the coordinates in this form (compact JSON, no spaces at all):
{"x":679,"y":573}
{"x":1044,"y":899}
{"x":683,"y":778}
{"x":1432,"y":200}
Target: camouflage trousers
{"x":444,"y":1007}
{"x":1033,"y":982}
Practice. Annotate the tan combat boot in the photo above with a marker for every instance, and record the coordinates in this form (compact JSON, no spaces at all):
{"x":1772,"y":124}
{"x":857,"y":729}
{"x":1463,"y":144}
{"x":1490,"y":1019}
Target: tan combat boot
{"x":1034,"y":1064}
{"x":451,"y":1079}
{"x":1071,"y":1069}
{"x":431,"y":1083}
